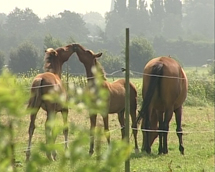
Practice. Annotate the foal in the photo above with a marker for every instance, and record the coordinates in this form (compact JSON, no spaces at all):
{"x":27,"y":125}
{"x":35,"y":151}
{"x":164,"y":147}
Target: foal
{"x":116,"y":99}
{"x":44,"y":83}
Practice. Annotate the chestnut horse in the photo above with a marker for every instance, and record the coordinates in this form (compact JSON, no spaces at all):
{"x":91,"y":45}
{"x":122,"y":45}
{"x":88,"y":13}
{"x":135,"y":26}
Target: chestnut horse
{"x":116,"y":99}
{"x":44,"y":83}
{"x":164,"y":91}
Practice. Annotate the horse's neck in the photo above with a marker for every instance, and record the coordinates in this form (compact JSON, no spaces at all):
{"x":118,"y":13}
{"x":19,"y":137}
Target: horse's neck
{"x":91,"y":76}
{"x":55,"y":70}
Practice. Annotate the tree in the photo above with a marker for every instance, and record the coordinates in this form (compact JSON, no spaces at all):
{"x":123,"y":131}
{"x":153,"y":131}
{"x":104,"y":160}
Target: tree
{"x":111,"y":63}
{"x":157,"y":15}
{"x":132,"y":4}
{"x":95,"y":18}
{"x":22,"y":22}
{"x":65,"y":25}
{"x":172,"y":26}
{"x":1,"y":60}
{"x":50,"y":42}
{"x":115,"y":24}
{"x":199,"y":18}
{"x":120,"y":7}
{"x":137,"y":18}
{"x":141,"y":51}
{"x":23,"y":58}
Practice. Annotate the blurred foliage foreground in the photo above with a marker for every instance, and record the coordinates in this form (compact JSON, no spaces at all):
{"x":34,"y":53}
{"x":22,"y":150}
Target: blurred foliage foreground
{"x":13,"y":98}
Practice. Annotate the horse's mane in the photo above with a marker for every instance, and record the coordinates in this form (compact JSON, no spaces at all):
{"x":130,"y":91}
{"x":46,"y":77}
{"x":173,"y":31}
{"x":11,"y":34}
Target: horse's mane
{"x":50,"y":56}
{"x":101,"y":69}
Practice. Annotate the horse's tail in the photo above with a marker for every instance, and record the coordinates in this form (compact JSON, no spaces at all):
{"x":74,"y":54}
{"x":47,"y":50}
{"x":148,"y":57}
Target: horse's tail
{"x":36,"y":93}
{"x":154,"y":83}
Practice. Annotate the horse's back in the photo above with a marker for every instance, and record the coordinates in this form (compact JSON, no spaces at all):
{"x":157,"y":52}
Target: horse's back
{"x":43,"y":84}
{"x":117,"y":93}
{"x":172,"y":86}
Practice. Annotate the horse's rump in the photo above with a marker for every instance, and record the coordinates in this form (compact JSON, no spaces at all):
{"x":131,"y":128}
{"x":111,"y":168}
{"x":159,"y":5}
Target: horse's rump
{"x":43,"y":84}
{"x":164,"y":83}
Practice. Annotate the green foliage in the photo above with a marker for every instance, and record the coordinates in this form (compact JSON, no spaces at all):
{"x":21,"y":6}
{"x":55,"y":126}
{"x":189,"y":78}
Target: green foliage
{"x":189,"y":53}
{"x":23,"y":58}
{"x":51,"y":42}
{"x":200,"y":89}
{"x":93,"y":100}
{"x":22,"y":22}
{"x":141,"y":52}
{"x":72,"y":23}
{"x":111,"y":63}
{"x":199,"y":18}
{"x":12,"y":101}
{"x":1,"y":60}
{"x":211,"y":70}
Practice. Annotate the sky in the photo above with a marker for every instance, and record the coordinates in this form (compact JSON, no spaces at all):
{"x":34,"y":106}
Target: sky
{"x":42,"y":8}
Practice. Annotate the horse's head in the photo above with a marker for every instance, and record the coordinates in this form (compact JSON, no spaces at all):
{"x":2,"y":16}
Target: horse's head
{"x":87,"y":57}
{"x":65,"y":52}
{"x":54,"y":58}
{"x":153,"y":127}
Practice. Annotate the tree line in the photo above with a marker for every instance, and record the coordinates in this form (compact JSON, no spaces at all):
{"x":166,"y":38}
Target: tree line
{"x":164,"y":27}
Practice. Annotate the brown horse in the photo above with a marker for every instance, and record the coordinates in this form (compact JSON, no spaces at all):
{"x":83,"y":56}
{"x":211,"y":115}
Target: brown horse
{"x":116,"y":99}
{"x":44,"y":83}
{"x":164,"y":91}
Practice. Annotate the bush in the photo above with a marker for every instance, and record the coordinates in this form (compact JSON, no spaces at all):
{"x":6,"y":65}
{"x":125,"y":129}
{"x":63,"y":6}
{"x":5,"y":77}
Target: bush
{"x":141,"y":52}
{"x":111,"y":160}
{"x":200,"y":89}
{"x":23,"y":58}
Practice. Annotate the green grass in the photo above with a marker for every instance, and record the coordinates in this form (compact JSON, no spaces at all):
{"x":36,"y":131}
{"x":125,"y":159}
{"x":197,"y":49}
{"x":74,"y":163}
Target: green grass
{"x":198,"y":125}
{"x":198,"y":139}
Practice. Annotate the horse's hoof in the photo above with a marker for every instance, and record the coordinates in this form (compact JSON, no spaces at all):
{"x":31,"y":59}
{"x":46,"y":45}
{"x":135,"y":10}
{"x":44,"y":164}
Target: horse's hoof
{"x":148,"y":151}
{"x":91,"y":153}
{"x":165,"y":152}
{"x":181,"y":149}
{"x":159,"y":153}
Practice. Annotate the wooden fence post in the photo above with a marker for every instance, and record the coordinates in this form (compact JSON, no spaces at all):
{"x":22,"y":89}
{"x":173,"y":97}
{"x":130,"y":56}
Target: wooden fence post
{"x":127,"y":97}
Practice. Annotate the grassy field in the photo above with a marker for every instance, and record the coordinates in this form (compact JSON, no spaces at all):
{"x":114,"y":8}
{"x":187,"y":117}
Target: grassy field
{"x":198,"y":127}
{"x":198,"y":138}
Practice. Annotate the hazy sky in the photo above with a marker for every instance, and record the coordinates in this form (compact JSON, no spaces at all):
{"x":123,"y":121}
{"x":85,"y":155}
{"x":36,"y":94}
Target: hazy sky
{"x":42,"y":8}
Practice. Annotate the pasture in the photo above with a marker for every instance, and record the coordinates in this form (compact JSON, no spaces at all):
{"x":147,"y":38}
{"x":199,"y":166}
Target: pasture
{"x":198,"y":140}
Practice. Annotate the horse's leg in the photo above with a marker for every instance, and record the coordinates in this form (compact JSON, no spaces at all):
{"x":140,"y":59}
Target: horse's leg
{"x":122,"y":122}
{"x":30,"y":132}
{"x":144,"y":136}
{"x":33,"y":103}
{"x":167,"y":118}
{"x":178,"y":115}
{"x":106,"y":127}
{"x":147,"y":133}
{"x":50,"y":136}
{"x":134,"y":127}
{"x":65,"y":130}
{"x":92,"y":130}
{"x":160,"y":133}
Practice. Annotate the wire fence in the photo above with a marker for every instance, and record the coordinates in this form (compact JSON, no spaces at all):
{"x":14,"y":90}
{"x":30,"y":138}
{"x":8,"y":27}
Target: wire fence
{"x":139,"y":74}
{"x":113,"y":74}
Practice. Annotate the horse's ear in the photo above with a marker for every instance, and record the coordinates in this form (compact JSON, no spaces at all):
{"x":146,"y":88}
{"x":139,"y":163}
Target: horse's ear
{"x":98,"y":55}
{"x":51,"y":51}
